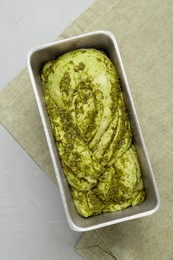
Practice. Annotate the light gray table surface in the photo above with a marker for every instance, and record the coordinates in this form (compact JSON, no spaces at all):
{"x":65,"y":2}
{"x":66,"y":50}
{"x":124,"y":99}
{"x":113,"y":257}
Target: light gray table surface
{"x":32,"y":220}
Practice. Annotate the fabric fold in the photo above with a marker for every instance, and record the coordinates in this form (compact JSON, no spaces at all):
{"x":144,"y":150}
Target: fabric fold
{"x":92,"y":246}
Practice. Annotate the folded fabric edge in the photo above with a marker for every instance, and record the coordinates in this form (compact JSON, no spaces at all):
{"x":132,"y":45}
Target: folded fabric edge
{"x":92,"y":247}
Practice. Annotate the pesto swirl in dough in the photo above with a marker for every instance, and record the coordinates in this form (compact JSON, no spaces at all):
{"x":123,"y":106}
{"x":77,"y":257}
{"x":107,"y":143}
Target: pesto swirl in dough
{"x":92,"y":132}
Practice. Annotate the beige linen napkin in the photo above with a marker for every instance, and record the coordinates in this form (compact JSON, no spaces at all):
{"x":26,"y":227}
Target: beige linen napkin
{"x":19,"y":114}
{"x":144,"y":31}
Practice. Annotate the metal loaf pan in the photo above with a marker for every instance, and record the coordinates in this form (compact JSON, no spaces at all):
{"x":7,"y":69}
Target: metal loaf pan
{"x":104,"y":41}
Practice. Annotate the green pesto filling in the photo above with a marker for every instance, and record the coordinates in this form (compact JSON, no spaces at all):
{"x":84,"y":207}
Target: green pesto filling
{"x":91,"y":128}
